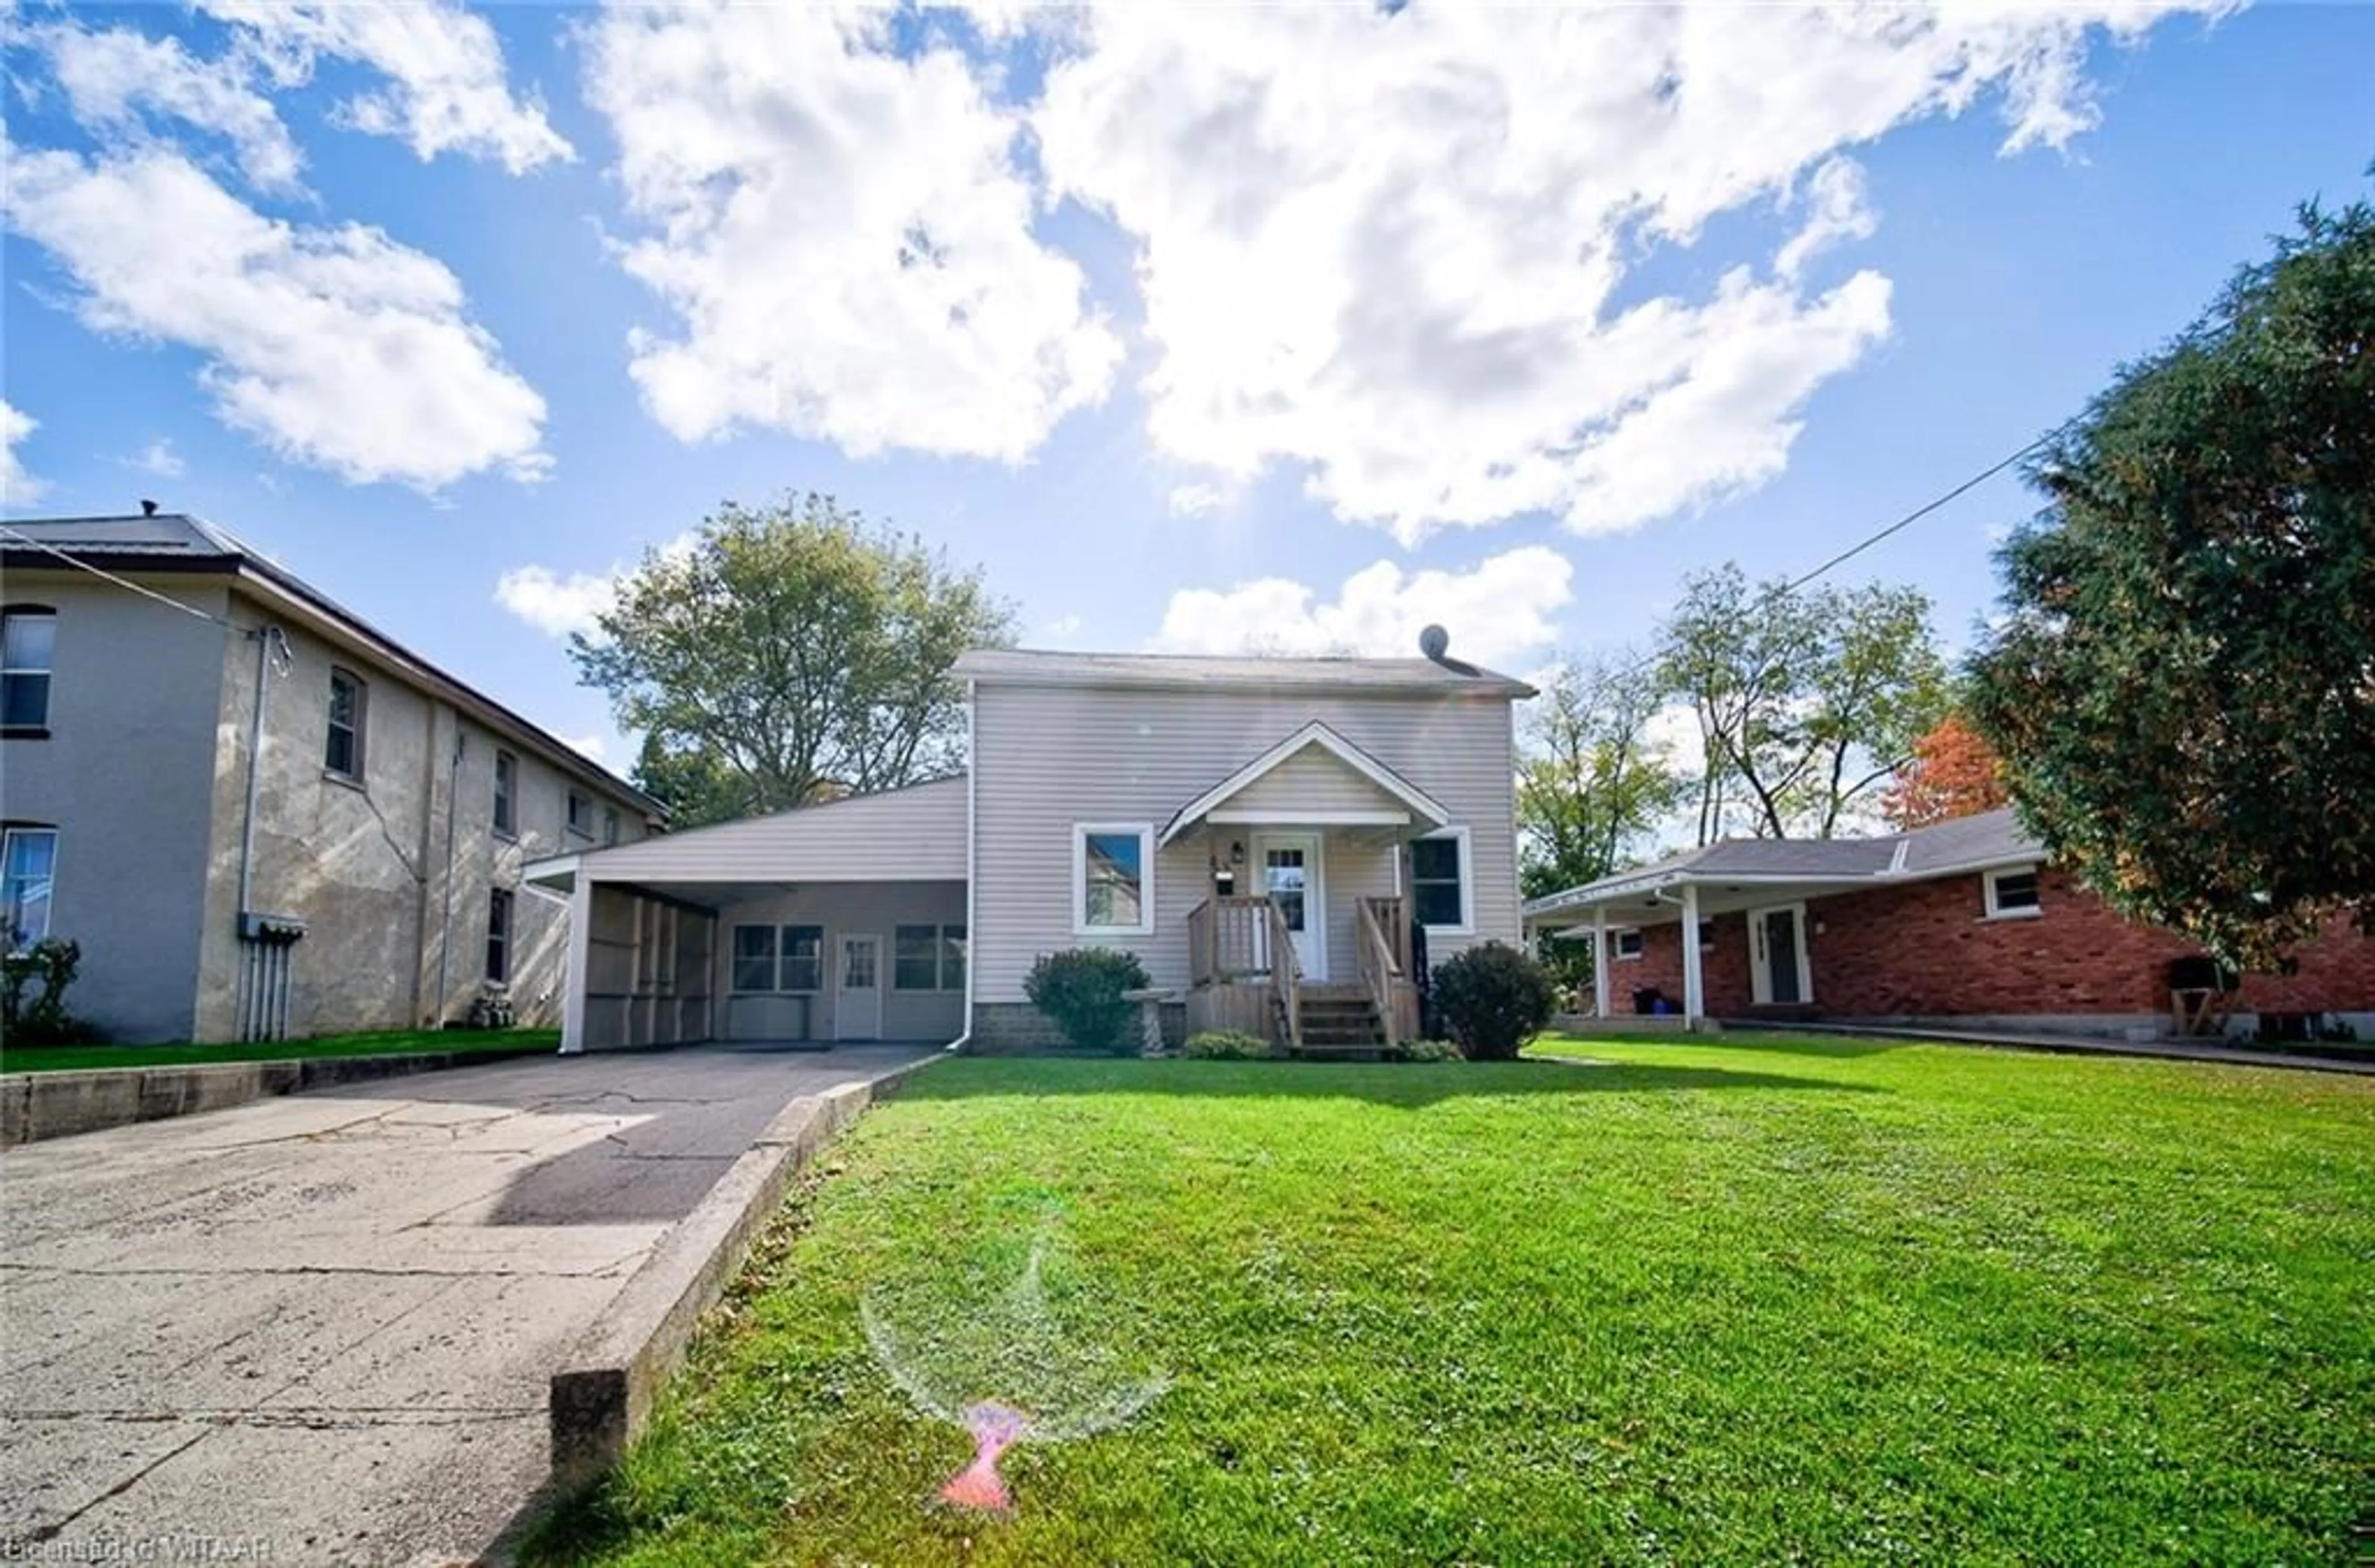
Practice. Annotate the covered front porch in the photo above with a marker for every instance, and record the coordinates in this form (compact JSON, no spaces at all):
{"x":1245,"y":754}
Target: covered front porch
{"x":1707,"y":948}
{"x":1304,"y":935}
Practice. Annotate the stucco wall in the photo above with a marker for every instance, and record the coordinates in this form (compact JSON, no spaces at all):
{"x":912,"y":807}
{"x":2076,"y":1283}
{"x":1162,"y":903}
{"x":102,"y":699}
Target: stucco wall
{"x":368,"y":868}
{"x":123,"y":777}
{"x":1924,"y":950}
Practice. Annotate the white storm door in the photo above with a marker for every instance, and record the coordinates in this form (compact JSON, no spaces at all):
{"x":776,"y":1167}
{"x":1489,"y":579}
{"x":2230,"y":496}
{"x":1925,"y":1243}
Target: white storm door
{"x":857,"y":989}
{"x":1293,"y":876}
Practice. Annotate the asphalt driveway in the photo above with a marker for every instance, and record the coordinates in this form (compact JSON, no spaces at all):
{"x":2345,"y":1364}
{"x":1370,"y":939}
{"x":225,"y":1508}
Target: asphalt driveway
{"x":321,"y":1327}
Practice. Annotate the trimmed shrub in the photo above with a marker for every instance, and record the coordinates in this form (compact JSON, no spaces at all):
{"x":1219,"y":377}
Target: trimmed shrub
{"x":1081,"y":990}
{"x":1227,"y":1046}
{"x":1492,"y":998}
{"x":1427,"y":1051}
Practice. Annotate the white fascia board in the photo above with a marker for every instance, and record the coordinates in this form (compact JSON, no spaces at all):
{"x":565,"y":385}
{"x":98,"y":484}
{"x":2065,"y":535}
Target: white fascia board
{"x":1313,"y":734}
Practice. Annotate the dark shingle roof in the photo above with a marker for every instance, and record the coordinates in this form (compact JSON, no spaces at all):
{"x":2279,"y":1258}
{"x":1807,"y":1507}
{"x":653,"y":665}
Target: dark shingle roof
{"x":1991,"y":838}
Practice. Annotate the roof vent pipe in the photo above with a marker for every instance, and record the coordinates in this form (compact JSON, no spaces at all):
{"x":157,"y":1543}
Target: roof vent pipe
{"x":1436,"y":643}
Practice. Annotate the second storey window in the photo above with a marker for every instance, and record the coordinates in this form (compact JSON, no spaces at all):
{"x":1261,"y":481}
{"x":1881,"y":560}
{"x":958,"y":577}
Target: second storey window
{"x":499,"y":936}
{"x":27,"y":633}
{"x":28,"y":858}
{"x":1113,"y":878}
{"x":1439,"y":881}
{"x":506,"y":794}
{"x":610,"y":827}
{"x":342,"y":753}
{"x":580,"y":814}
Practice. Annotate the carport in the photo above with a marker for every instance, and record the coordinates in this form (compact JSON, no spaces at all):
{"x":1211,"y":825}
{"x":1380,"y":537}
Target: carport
{"x":846,"y":920}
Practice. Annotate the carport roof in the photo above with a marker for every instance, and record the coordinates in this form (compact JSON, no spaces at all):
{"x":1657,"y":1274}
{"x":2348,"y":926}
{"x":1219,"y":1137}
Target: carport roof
{"x":915,"y":834}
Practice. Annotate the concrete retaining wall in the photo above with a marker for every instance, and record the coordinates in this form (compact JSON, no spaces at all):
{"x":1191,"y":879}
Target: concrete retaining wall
{"x":36,"y":1106}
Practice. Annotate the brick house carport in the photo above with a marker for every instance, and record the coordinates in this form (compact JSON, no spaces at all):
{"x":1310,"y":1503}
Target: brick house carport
{"x":846,"y":920}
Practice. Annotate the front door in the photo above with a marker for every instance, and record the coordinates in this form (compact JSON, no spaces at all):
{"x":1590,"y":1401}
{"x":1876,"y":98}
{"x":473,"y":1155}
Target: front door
{"x":1294,"y":878}
{"x":857,"y":989}
{"x":1778,"y":955}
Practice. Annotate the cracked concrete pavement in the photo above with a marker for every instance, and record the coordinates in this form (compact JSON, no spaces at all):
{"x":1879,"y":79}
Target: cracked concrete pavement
{"x":326,"y":1324}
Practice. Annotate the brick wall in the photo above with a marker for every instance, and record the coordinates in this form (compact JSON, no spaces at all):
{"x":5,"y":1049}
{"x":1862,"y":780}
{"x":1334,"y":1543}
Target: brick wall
{"x":1923,"y":949}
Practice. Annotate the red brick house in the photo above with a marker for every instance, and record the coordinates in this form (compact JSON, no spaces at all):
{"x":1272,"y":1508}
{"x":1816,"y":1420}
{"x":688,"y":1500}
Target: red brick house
{"x":1964,"y":924}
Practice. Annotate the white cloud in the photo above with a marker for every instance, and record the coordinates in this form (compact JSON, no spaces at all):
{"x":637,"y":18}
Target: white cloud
{"x":334,"y":345}
{"x":841,"y":231}
{"x":110,"y":77}
{"x":557,"y":603}
{"x":1403,"y":273}
{"x":158,"y":458}
{"x":1199,"y":501}
{"x":590,"y":746}
{"x":17,"y":486}
{"x":1840,"y":211}
{"x":1497,"y":610}
{"x":448,"y":90}
{"x":553,"y":604}
{"x":1064,"y":626}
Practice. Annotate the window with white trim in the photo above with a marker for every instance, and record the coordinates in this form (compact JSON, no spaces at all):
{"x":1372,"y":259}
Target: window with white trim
{"x":928,"y":958}
{"x":28,"y":637}
{"x":1113,"y":878}
{"x":1627,"y":941}
{"x":342,"y":747}
{"x":1442,"y":892}
{"x":29,"y":859}
{"x":2013,"y":894}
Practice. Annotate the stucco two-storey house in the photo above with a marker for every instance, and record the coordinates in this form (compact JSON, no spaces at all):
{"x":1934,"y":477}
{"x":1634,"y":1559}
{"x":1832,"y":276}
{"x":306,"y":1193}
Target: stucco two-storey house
{"x":257,"y":815}
{"x":1282,"y":842}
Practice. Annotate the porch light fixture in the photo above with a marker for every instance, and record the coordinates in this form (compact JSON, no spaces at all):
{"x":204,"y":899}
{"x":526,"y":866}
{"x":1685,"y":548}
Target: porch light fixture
{"x":1236,"y":852}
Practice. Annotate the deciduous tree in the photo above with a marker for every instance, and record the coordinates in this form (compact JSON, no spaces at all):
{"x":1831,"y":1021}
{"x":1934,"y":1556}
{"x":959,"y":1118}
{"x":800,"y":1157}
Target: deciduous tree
{"x":793,"y":652}
{"x":1806,"y":700}
{"x":1952,"y":772}
{"x":2183,"y":685}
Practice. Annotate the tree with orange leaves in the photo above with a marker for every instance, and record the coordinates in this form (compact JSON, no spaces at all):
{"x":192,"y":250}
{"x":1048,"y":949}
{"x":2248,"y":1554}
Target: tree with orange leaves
{"x":1952,"y":772}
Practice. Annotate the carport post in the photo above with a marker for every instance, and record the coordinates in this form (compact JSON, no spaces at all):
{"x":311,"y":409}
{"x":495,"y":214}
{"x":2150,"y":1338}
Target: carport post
{"x":1694,"y":998}
{"x":1600,"y":961}
{"x":575,"y":978}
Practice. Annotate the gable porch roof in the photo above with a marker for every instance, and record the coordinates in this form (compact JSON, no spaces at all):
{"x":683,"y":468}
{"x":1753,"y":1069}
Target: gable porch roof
{"x":1402,"y":803}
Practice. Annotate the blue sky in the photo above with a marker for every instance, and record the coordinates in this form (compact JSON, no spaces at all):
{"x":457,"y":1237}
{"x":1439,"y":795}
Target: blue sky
{"x":1509,"y":325}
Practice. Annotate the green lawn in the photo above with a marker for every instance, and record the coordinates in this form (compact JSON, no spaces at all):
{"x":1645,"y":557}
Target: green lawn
{"x":66,"y":1059}
{"x":1747,"y":1302}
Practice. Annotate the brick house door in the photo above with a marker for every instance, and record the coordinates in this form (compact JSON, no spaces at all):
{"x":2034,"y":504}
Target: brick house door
{"x":1777,"y":959}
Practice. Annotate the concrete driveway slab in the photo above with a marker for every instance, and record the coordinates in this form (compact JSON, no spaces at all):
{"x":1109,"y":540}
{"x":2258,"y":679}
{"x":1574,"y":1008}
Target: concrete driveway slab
{"x":327,"y":1323}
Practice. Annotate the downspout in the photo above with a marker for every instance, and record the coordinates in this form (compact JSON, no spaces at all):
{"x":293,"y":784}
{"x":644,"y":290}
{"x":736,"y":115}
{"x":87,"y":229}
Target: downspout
{"x":973,"y":866}
{"x":445,"y":921}
{"x":262,"y":637}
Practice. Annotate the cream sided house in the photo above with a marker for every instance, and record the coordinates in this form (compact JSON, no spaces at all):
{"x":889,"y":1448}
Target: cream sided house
{"x":1278,"y":841}
{"x":258,"y":815}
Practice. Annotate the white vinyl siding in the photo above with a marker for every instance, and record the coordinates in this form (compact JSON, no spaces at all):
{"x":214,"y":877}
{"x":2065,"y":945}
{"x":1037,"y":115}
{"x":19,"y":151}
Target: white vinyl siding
{"x":1048,"y":758}
{"x":1314,"y":780}
{"x":918,"y":834}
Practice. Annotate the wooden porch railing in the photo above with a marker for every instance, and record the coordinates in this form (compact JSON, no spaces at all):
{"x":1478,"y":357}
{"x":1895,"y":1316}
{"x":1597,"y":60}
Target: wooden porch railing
{"x":1285,"y":974}
{"x":1227,"y":941}
{"x":1383,"y":973}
